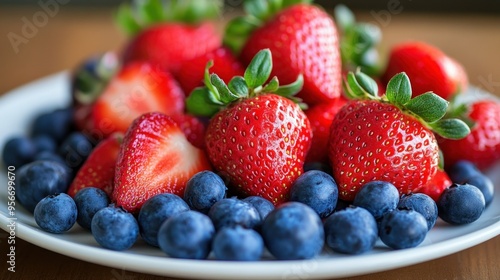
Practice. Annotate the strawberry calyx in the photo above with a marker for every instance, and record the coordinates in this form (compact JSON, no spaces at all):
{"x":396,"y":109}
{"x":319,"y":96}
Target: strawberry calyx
{"x":140,"y":14}
{"x":358,"y":42}
{"x":216,"y":95}
{"x":429,"y":108}
{"x":257,"y":12}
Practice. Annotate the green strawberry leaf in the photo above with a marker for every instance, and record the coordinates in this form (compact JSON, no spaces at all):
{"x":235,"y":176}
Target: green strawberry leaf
{"x":258,"y":8}
{"x":125,"y":19}
{"x":441,"y":160}
{"x":200,"y":103}
{"x":150,"y":11}
{"x":237,"y":32}
{"x":429,"y":106}
{"x":367,"y":83}
{"x":398,"y":89}
{"x":291,"y":89}
{"x":451,"y":128}
{"x":353,"y":87}
{"x":238,"y":86}
{"x":272,"y":86}
{"x":259,"y":69}
{"x":226,"y":96}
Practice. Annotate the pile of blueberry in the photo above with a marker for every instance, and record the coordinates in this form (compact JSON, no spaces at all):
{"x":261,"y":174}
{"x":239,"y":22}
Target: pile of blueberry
{"x":205,"y":220}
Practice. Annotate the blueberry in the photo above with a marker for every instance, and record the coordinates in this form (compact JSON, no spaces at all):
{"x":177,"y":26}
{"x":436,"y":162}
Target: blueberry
{"x":351,"y":231}
{"x":50,"y":156}
{"x":203,"y":190}
{"x":378,"y":197}
{"x":237,"y":244}
{"x":293,"y":231}
{"x":263,"y":206}
{"x":44,"y":143}
{"x":317,"y":166}
{"x":187,"y":235}
{"x":88,"y":201}
{"x":157,"y":210}
{"x":56,"y":213}
{"x":114,"y":228}
{"x":232,"y":212}
{"x":38,"y":179}
{"x":56,"y":124}
{"x":75,"y":149}
{"x":317,"y":190}
{"x":342,"y":204}
{"x":18,"y":151}
{"x":421,"y":203}
{"x":461,"y":204}
{"x":461,"y":171}
{"x":484,"y":184}
{"x":400,"y":229}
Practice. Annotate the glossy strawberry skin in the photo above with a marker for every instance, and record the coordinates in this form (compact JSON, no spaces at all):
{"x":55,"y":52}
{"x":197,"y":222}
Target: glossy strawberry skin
{"x":226,"y":66}
{"x":99,"y":169}
{"x":155,"y":158}
{"x":137,"y":89}
{"x":321,"y":117}
{"x":259,"y":144}
{"x":435,"y":187}
{"x":172,"y":44}
{"x":303,"y":39}
{"x":371,"y":141}
{"x":428,"y":68}
{"x":482,"y":145}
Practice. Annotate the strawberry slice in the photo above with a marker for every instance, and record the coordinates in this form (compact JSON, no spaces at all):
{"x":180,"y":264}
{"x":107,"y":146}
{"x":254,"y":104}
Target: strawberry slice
{"x":155,"y":158}
{"x":193,"y":128}
{"x":137,"y":89}
{"x":99,"y":169}
{"x":435,"y":187}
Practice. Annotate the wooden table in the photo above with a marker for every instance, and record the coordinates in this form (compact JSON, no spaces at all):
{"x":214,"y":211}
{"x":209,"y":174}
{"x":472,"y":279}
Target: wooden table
{"x":70,"y":35}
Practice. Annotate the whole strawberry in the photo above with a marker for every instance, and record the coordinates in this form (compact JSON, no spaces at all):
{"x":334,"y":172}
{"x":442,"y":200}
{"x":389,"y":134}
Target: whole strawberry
{"x":321,"y":117}
{"x":428,"y":68}
{"x":388,"y":138}
{"x":169,"y":33}
{"x":482,"y":145}
{"x":259,"y":139}
{"x":303,"y":39}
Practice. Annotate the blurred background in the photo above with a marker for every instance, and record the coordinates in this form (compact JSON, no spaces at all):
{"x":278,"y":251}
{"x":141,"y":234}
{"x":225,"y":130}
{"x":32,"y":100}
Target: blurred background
{"x":41,"y":37}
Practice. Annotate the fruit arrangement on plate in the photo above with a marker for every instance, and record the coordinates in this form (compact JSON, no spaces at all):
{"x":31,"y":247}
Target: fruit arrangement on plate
{"x":286,"y":133}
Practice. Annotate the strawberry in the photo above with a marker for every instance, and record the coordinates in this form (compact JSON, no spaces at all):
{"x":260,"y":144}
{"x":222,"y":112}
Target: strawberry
{"x":170,"y":34}
{"x":428,"y":68}
{"x":99,"y":169}
{"x":482,"y":145}
{"x":193,"y":128}
{"x":155,"y":157}
{"x":321,"y":117}
{"x":435,"y":187}
{"x":137,"y":89}
{"x":303,"y":39}
{"x":226,"y":66}
{"x":259,"y":139}
{"x":388,"y":138}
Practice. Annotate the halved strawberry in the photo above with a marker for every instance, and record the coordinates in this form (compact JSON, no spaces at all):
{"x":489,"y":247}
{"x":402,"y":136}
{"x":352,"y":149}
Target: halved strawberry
{"x":226,"y":66}
{"x":99,"y":169}
{"x":435,"y":187}
{"x":155,"y":158}
{"x":137,"y":89}
{"x":193,"y":128}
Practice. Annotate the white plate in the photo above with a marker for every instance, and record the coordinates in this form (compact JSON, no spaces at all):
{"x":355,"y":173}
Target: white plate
{"x":18,"y":108}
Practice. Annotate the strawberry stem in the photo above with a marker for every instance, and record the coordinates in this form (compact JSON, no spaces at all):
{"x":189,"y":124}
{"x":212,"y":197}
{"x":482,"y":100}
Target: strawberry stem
{"x":216,"y":94}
